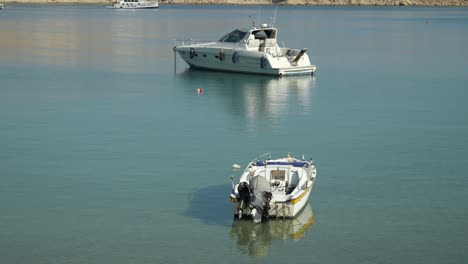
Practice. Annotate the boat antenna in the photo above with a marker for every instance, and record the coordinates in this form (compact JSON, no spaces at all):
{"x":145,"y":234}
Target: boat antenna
{"x":274,"y":17}
{"x":259,"y":22}
{"x":253,"y":21}
{"x":276,"y":10}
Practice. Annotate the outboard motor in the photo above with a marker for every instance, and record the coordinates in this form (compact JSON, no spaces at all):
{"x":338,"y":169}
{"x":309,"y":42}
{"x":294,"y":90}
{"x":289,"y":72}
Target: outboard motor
{"x":260,"y":204}
{"x":244,"y":196}
{"x":261,"y":197}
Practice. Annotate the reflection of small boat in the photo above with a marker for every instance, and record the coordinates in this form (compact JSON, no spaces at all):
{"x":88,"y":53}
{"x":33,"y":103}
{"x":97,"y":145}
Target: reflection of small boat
{"x":273,"y":188}
{"x":253,"y":50}
{"x":135,"y":4}
{"x":253,"y":239}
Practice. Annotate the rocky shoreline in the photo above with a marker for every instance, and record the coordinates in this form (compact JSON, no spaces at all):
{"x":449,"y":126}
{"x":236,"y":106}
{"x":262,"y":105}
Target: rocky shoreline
{"x":270,"y":2}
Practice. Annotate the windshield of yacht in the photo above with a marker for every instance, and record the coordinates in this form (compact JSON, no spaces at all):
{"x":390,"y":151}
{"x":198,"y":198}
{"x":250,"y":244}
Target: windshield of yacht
{"x":264,"y":33}
{"x":234,"y":36}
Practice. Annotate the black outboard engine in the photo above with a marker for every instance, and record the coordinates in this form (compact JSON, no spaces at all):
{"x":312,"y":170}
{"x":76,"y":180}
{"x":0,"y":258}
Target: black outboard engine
{"x":244,"y":196}
{"x":260,"y":204}
{"x":244,"y":192}
{"x":260,"y":198}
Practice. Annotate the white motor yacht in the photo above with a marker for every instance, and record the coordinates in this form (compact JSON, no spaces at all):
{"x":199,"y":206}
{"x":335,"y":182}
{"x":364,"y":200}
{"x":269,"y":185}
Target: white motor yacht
{"x":253,"y":50}
{"x":277,"y":188}
{"x":135,"y":4}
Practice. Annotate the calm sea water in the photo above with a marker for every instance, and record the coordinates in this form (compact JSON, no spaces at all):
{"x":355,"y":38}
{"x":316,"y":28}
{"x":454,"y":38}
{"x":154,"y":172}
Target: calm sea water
{"x":108,"y":154}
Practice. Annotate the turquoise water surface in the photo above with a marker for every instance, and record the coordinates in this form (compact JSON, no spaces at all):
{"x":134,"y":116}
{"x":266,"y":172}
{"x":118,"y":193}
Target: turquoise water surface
{"x":108,"y":154}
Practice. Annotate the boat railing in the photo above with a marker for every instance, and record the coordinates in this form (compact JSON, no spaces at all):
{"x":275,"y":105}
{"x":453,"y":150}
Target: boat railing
{"x":263,"y":155}
{"x":186,"y":42}
{"x":254,"y":160}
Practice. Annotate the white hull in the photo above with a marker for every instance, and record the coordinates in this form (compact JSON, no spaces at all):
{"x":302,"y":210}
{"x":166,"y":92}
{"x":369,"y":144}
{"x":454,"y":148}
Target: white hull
{"x":279,"y":209}
{"x":248,"y":62}
{"x":135,"y":5}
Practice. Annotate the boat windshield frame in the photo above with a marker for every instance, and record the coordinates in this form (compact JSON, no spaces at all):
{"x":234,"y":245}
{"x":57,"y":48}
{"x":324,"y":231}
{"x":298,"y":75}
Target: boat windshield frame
{"x":234,"y":36}
{"x":264,"y":33}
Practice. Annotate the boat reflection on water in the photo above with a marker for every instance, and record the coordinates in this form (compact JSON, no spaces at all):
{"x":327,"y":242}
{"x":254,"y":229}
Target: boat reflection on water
{"x":254,"y":239}
{"x":253,"y":96}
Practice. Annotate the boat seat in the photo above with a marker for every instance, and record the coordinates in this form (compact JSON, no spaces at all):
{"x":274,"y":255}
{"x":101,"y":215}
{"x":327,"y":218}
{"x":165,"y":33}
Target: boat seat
{"x":270,"y":42}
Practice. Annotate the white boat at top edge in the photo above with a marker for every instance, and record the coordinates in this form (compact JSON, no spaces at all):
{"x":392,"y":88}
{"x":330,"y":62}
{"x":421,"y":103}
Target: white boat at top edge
{"x":273,"y":188}
{"x":135,"y":4}
{"x":253,"y":50}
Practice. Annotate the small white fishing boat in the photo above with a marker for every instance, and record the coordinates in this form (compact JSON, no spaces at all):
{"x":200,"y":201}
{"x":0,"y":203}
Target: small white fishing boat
{"x":273,"y":188}
{"x":135,"y":4}
{"x":253,"y":50}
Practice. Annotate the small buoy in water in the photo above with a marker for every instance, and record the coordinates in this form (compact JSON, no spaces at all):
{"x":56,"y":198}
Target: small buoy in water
{"x":236,"y":166}
{"x":199,"y":90}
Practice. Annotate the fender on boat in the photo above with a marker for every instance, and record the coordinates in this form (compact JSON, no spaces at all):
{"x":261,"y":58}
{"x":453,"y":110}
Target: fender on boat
{"x":263,"y":62}
{"x":221,"y":55}
{"x":235,"y":57}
